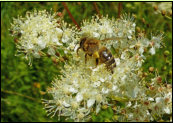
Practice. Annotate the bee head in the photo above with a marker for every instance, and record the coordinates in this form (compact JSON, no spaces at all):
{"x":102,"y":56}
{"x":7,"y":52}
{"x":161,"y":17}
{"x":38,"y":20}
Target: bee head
{"x":81,"y":43}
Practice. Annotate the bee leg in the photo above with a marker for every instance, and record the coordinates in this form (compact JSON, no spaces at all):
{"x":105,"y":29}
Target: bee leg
{"x":78,"y":50}
{"x":97,"y":61}
{"x":86,"y":58}
{"x":112,"y":71}
{"x":112,"y":68}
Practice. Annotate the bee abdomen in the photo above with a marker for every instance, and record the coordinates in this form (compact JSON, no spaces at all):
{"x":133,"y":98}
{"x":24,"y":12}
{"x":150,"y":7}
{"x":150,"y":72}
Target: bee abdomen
{"x":111,"y":64}
{"x":107,"y":58}
{"x":110,"y":61}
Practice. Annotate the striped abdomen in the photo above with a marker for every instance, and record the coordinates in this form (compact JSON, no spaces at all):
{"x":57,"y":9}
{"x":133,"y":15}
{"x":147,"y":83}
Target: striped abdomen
{"x":107,"y":58}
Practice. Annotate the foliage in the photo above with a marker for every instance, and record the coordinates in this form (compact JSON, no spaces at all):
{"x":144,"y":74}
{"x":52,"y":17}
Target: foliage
{"x":22,"y":87}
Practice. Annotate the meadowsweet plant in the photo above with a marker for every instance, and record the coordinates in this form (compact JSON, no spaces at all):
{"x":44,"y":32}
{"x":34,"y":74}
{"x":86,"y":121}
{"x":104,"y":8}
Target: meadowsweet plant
{"x":84,"y":88}
{"x":40,"y":33}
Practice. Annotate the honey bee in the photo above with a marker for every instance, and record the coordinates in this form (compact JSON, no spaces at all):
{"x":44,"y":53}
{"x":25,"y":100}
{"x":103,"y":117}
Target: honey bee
{"x":91,"y":47}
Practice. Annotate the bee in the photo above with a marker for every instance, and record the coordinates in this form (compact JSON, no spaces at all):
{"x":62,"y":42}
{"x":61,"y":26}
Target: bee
{"x":91,"y":47}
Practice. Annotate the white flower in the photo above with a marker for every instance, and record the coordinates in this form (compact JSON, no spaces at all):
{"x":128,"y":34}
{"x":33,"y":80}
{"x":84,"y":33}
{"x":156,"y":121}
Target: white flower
{"x":86,"y":87}
{"x":167,"y":110}
{"x":159,"y":99}
{"x":129,"y":104}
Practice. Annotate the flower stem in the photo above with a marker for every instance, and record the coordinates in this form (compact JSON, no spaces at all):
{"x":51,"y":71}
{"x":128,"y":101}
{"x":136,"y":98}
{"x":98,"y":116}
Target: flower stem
{"x":71,"y":16}
{"x":15,"y":93}
{"x":119,"y":9}
{"x":97,"y":10}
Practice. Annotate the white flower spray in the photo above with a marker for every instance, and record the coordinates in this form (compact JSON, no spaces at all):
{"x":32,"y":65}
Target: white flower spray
{"x":84,"y":87}
{"x":39,"y":31}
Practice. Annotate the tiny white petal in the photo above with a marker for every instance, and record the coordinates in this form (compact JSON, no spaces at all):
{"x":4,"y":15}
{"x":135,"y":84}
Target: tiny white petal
{"x":135,"y":91}
{"x":117,"y":60}
{"x":152,"y":51}
{"x":130,"y":115}
{"x":96,"y":35}
{"x":150,"y":99}
{"x":130,"y":31}
{"x":148,"y":113}
{"x":66,"y":104}
{"x":129,"y":36}
{"x":51,"y":51}
{"x":98,"y":108}
{"x":96,"y":84}
{"x":129,"y":104}
{"x":90,"y":102}
{"x":158,"y":99}
{"x":167,"y":110}
{"x":79,"y":97}
{"x":41,"y":43}
{"x":73,"y":90}
{"x":36,"y":55}
{"x":141,"y":50}
{"x":102,"y":80}
{"x":105,"y":91}
{"x":133,"y":24}
{"x":59,"y":31}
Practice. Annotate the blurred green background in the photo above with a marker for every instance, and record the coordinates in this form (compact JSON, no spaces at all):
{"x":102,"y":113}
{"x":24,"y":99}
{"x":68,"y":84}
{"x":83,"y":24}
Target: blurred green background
{"x":23,"y":87}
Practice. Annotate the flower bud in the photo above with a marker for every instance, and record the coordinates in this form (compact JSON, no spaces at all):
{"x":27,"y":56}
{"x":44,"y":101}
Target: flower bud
{"x":16,"y":40}
{"x":114,"y":108}
{"x":159,"y":79}
{"x":107,"y":120}
{"x":151,"y":69}
{"x":54,"y":60}
{"x":151,"y":88}
{"x":169,"y":86}
{"x":146,"y":103}
{"x":170,"y":13}
{"x":145,"y":74}
{"x":160,"y":89}
{"x":164,"y":68}
{"x":163,"y":12}
{"x":155,"y":7}
{"x":143,"y":21}
{"x":167,"y":100}
{"x":115,"y":117}
{"x":138,"y":29}
{"x":166,"y":53}
{"x":170,"y":73}
{"x":104,"y":107}
{"x":134,"y":16}
{"x":168,"y":62}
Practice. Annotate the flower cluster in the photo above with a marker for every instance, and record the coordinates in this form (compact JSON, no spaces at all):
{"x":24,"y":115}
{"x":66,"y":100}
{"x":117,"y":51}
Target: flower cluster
{"x":162,"y":7}
{"x":40,"y":30}
{"x":109,"y":28}
{"x":84,"y":87}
